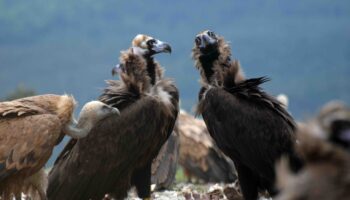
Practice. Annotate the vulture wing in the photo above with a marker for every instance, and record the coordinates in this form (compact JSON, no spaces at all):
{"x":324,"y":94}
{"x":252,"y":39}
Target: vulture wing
{"x":246,"y":109}
{"x":26,"y":143}
{"x":199,"y":155}
{"x":164,"y":165}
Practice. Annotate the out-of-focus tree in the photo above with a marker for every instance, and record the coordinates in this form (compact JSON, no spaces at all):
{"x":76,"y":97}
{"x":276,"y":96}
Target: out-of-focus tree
{"x":19,"y":92}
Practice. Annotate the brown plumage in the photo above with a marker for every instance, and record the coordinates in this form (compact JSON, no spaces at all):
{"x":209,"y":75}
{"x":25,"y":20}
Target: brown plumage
{"x":35,"y":186}
{"x":326,"y":174}
{"x":164,"y":166}
{"x":247,"y":124}
{"x":118,"y":152}
{"x":31,"y":127}
{"x":199,"y":155}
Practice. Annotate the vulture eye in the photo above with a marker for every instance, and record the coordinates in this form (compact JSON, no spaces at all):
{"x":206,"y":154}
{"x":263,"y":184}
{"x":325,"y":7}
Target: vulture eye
{"x":105,"y":107}
{"x":151,"y":42}
{"x":198,"y":40}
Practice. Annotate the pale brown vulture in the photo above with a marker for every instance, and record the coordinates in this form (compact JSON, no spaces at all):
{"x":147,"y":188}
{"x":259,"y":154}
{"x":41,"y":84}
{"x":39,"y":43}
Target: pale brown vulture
{"x":118,"y":152}
{"x":199,"y":155}
{"x":325,"y":175}
{"x":247,"y":124}
{"x":29,"y":130}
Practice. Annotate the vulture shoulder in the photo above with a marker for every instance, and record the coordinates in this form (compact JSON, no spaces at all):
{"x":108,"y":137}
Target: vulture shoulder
{"x":119,"y":95}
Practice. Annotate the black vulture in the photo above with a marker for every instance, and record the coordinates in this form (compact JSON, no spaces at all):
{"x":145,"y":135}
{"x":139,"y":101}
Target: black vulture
{"x":118,"y":152}
{"x":247,"y":124}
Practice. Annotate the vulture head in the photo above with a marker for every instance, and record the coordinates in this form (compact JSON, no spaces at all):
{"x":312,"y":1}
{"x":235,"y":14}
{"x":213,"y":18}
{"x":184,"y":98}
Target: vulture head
{"x":207,"y":42}
{"x":148,"y":46}
{"x":212,"y":56}
{"x":139,"y":58}
{"x":91,"y":113}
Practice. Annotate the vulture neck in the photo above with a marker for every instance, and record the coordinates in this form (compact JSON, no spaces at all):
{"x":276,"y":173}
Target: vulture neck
{"x":151,"y":69}
{"x":78,"y":129}
{"x":207,"y":61}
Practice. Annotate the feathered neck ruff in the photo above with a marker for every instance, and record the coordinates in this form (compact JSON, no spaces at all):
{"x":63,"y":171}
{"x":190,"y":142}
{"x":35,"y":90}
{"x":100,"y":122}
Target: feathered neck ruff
{"x":139,"y":73}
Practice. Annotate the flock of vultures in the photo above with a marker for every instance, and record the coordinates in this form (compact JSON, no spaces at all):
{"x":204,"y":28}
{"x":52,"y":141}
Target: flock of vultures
{"x":134,"y":136}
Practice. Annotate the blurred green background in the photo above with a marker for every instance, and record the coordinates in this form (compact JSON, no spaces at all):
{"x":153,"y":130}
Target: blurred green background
{"x":64,"y":46}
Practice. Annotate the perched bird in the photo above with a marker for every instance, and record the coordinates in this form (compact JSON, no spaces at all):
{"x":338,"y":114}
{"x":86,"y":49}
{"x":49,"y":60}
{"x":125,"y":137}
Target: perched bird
{"x":118,"y":152}
{"x":164,"y":166}
{"x":247,"y":124}
{"x":199,"y":155}
{"x":325,"y":175}
{"x":29,"y":130}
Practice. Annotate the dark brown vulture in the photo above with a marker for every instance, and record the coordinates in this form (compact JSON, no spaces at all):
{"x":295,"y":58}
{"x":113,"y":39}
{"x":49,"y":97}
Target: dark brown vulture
{"x":29,"y":130}
{"x":199,"y":155}
{"x":164,"y":166}
{"x":118,"y":152}
{"x":325,"y":175}
{"x":247,"y":124}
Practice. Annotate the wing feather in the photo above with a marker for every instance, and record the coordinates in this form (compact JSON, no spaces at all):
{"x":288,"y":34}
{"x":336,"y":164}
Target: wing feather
{"x":18,"y":108}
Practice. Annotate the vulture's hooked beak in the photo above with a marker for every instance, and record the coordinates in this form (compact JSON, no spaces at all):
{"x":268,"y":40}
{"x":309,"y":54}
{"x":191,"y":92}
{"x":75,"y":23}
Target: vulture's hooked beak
{"x":117,"y":69}
{"x":161,"y":47}
{"x":206,"y":41}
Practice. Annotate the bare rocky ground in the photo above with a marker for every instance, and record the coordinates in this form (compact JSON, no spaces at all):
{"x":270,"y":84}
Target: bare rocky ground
{"x":188,"y":191}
